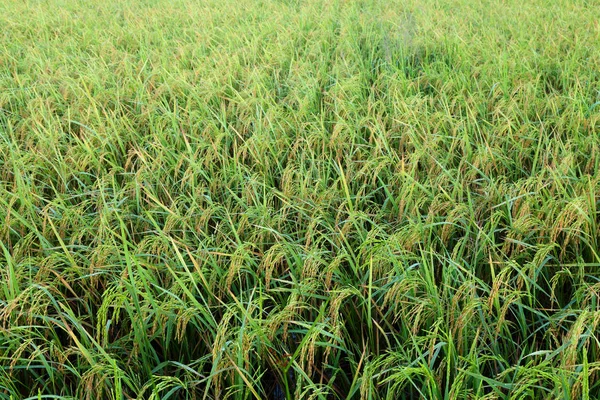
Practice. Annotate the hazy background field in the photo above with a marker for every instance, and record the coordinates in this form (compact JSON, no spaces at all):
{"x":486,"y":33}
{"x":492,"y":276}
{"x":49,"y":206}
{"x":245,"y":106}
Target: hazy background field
{"x":299,"y":199}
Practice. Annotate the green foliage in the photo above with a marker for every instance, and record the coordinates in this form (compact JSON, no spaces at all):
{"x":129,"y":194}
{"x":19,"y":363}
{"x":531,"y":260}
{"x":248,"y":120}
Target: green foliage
{"x":299,"y":199}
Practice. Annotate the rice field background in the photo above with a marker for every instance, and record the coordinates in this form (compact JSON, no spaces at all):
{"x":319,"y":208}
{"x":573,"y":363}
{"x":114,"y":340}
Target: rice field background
{"x":299,"y":199}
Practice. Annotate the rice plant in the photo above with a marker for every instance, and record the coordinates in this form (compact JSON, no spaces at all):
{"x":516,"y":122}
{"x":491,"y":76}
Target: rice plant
{"x":299,"y":199}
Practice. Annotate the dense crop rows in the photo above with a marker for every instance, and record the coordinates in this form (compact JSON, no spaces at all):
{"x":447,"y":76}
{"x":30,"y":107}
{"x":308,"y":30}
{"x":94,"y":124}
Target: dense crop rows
{"x":299,"y":199}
